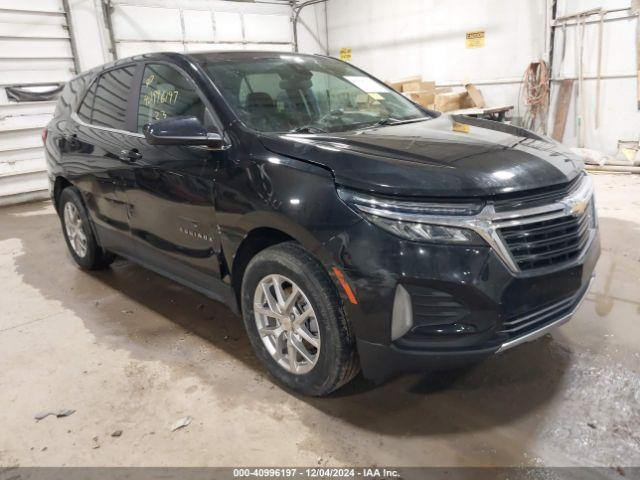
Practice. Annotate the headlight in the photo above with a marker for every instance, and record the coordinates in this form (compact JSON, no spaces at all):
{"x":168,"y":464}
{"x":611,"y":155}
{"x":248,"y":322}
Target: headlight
{"x":417,"y":221}
{"x":424,"y":231}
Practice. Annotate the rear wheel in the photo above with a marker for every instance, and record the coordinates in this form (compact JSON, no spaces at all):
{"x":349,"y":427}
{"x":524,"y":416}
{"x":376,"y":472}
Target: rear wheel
{"x":78,"y":234}
{"x":295,"y":321}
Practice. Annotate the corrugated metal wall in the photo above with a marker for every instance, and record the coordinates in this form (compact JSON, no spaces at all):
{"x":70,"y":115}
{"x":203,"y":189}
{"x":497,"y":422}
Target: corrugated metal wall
{"x":144,"y":26}
{"x":35,"y":49}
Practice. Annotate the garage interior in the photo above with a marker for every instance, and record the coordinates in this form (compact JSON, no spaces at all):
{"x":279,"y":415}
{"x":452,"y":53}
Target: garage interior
{"x":130,"y":353}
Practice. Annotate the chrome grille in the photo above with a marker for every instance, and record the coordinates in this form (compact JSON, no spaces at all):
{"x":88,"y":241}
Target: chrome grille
{"x":537,"y":198}
{"x":549,"y":242}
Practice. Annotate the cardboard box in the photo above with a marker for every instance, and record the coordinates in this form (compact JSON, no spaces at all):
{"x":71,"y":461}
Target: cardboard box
{"x":418,"y":86}
{"x":475,"y":96}
{"x":424,"y":95}
{"x":445,"y":102}
{"x":419,"y":91}
{"x":410,"y":84}
{"x":423,"y":98}
{"x":397,"y":86}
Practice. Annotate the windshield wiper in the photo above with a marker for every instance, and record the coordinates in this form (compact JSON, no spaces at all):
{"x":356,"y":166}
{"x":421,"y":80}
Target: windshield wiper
{"x":393,"y":121}
{"x":386,"y":121}
{"x":308,"y":129}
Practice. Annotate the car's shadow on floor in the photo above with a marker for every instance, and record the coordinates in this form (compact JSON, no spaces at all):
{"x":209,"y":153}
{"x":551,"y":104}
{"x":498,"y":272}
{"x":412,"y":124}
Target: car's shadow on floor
{"x":152,"y":314}
{"x":496,"y":392}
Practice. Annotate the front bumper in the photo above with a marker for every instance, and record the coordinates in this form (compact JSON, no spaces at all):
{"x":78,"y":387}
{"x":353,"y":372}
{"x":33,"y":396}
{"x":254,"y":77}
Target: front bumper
{"x":548,"y":318}
{"x":501,"y":308}
{"x":380,"y":362}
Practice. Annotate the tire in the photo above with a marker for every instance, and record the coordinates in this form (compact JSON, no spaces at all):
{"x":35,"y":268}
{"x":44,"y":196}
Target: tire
{"x":335,"y":361}
{"x":78,"y":234}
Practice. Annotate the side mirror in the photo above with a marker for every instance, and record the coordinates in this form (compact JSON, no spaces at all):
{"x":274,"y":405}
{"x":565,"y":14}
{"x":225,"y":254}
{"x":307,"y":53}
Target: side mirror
{"x":181,"y":131}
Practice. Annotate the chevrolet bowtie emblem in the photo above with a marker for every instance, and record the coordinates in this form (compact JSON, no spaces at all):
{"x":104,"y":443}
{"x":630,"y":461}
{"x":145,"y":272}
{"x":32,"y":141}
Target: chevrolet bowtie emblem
{"x":576,"y":207}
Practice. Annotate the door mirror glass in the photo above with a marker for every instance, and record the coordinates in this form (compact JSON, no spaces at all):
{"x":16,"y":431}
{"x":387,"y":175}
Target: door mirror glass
{"x":181,"y":131}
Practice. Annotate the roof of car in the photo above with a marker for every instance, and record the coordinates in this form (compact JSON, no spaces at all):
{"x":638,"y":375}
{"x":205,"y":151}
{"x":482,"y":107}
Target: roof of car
{"x":206,"y":55}
{"x":245,"y":54}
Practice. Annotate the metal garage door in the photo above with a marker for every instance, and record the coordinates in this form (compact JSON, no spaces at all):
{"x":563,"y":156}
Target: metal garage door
{"x":35,"y":51}
{"x":146,"y":26}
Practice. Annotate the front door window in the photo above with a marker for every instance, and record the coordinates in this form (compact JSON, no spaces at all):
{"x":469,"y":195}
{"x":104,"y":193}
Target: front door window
{"x":166,"y":93}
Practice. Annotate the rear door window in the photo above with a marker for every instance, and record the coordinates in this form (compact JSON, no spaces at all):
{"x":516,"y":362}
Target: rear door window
{"x":166,"y":93}
{"x":111,"y":96}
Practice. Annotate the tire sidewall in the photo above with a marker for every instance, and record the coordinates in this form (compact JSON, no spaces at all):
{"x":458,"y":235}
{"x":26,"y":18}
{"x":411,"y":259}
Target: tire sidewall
{"x":87,"y":262}
{"x":325,"y":371}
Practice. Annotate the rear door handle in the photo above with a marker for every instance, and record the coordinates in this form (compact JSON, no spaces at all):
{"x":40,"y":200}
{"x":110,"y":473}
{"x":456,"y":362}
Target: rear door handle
{"x":130,"y":155}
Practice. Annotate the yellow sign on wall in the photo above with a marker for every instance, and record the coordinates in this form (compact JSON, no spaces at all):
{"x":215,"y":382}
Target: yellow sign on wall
{"x":474,"y":39}
{"x":345,"y":54}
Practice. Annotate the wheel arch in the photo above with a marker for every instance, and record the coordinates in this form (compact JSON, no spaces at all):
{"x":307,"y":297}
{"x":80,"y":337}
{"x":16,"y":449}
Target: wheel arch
{"x":253,"y":243}
{"x":269,"y":231}
{"x":59,"y":185}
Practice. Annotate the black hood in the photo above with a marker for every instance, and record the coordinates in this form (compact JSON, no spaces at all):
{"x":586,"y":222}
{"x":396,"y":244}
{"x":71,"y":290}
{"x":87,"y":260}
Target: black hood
{"x":449,"y":156}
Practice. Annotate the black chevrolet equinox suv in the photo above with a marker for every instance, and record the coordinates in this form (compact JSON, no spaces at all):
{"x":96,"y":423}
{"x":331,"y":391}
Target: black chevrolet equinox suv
{"x":351,"y":228}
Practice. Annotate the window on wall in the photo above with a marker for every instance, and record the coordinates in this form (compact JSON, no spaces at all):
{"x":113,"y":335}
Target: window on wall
{"x":111,"y":94}
{"x":166,"y":93}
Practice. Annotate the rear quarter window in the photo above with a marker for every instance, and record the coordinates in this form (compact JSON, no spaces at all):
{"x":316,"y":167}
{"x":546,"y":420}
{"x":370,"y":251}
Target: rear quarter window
{"x":86,"y":107}
{"x":111,"y":95}
{"x":71,"y":95}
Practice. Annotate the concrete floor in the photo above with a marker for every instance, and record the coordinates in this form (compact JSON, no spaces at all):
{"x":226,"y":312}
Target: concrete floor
{"x":131,"y":351}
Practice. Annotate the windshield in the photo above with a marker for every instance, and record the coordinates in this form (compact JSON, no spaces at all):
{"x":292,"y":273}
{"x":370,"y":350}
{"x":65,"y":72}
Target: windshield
{"x":306,"y":94}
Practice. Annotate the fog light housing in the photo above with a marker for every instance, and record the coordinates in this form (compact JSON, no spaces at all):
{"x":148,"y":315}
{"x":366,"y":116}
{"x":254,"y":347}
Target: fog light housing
{"x":402,"y":316}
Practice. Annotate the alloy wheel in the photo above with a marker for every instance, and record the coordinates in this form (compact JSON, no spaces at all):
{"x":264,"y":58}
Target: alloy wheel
{"x":73,"y":226}
{"x":287,"y":323}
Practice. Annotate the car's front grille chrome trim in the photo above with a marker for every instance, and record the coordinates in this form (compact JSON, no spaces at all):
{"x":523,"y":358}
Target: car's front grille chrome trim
{"x":488,"y":222}
{"x":560,"y":241}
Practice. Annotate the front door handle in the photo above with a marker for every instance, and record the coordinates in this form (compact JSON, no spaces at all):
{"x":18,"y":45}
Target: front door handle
{"x":130,"y":155}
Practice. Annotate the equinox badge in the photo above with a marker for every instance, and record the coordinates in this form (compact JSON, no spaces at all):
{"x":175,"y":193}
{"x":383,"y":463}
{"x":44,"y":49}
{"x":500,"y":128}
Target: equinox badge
{"x":198,"y":235}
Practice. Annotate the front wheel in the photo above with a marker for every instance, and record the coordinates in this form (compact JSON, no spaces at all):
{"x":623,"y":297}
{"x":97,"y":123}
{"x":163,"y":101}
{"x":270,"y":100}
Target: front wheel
{"x":295,"y":321}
